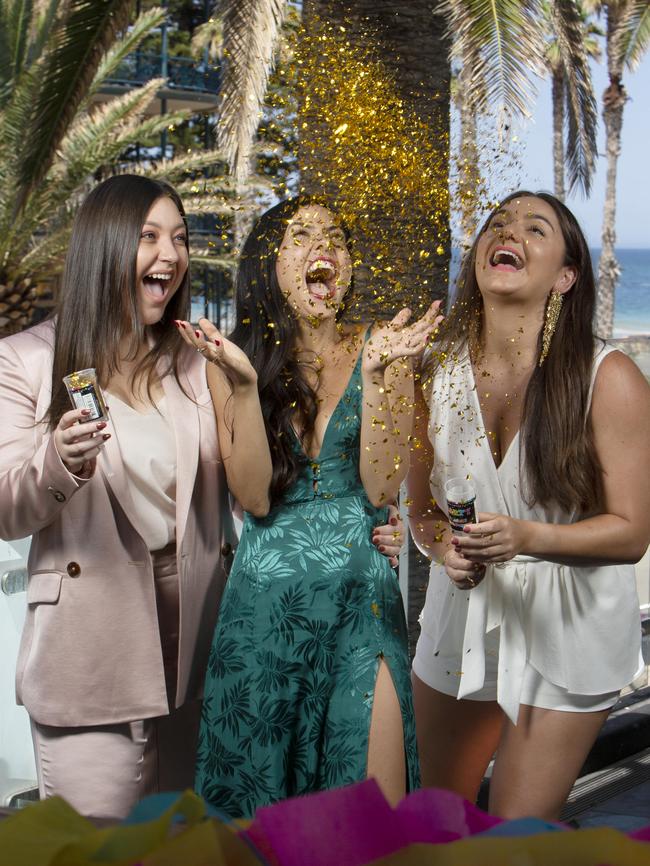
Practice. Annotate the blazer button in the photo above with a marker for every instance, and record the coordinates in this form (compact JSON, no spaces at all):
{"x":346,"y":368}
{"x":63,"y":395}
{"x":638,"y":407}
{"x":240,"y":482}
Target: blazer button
{"x":60,"y":497}
{"x":226,"y":548}
{"x":73,"y":569}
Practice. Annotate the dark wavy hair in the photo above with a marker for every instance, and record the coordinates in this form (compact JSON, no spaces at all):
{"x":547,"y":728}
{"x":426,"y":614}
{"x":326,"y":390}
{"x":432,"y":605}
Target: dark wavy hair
{"x":558,"y":458}
{"x":266,"y":330}
{"x":98,"y":303}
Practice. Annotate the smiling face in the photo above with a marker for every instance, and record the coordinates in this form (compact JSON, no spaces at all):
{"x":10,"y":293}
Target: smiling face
{"x":313,"y":267}
{"x":521,"y":253}
{"x":162,"y":259}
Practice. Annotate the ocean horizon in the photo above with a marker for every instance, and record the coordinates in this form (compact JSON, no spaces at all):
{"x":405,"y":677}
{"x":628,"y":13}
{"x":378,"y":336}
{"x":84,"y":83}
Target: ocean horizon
{"x":632,"y":300}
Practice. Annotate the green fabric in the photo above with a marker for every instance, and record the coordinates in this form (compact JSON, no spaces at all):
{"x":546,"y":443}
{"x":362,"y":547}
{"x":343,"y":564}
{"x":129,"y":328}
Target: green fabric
{"x":309,"y":610}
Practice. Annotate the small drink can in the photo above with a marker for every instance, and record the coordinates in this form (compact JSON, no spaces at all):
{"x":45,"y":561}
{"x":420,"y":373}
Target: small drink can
{"x":461,"y":498}
{"x":85,"y":393}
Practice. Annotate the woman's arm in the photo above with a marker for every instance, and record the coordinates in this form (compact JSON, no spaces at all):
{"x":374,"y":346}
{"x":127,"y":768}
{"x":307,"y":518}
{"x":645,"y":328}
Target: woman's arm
{"x":35,"y":483}
{"x":428,"y":524}
{"x":242,"y":435}
{"x":387,"y":414}
{"x":620,"y":415}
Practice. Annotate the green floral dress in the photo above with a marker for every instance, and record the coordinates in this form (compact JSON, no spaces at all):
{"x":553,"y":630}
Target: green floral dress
{"x":309,"y":610}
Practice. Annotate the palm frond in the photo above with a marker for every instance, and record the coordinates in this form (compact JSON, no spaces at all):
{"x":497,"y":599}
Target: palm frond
{"x":179,"y":166}
{"x":141,"y":28}
{"x":15,"y":20}
{"x":250,"y":34}
{"x":503,"y":41}
{"x":636,"y":33}
{"x":43,"y":17}
{"x":208,"y":37}
{"x":73,"y":53}
{"x":581,"y":107}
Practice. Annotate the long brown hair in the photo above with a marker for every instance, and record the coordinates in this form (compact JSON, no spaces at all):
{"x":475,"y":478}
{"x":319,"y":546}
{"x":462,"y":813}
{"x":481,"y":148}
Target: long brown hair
{"x":266,"y":330}
{"x":558,"y":458}
{"x":98,"y":301}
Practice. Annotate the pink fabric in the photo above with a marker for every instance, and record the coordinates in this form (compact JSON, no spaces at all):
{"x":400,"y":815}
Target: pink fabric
{"x":360,"y":824}
{"x":90,"y":652}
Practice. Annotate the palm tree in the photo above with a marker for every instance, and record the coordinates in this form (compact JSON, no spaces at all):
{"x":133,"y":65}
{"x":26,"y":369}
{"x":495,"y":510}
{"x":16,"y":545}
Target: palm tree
{"x":499,"y":46}
{"x":627,"y":38}
{"x":571,"y":43}
{"x":54,"y":140}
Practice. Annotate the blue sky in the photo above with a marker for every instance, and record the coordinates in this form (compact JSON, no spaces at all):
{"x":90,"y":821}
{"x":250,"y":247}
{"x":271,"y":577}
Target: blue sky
{"x":633,"y":199}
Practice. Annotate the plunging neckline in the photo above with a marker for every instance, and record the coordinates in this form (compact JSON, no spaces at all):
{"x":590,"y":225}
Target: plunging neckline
{"x":485,"y":436}
{"x":316,"y":459}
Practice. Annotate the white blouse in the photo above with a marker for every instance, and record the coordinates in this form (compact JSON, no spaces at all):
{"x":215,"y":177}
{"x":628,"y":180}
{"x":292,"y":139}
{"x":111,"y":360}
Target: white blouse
{"x":579,"y":627}
{"x":148,"y":447}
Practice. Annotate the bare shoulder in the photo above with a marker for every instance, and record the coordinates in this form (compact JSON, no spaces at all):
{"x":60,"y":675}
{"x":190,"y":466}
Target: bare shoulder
{"x":620,"y":389}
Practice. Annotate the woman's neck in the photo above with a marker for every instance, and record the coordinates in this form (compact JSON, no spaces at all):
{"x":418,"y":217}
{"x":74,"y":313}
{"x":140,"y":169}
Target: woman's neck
{"x":510,"y":332}
{"x":317,"y":338}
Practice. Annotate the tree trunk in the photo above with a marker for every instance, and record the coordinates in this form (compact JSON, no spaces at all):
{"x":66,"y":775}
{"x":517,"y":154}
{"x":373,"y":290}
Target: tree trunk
{"x":470,"y":182}
{"x":405,"y":255}
{"x":408,"y":39}
{"x":558,"y":96}
{"x":614,"y":100}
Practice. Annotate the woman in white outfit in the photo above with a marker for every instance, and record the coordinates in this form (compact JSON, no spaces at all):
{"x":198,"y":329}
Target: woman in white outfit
{"x":531,"y":622}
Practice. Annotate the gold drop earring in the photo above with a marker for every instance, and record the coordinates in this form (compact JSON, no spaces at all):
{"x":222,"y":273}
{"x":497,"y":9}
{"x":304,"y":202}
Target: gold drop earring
{"x":553,"y":308}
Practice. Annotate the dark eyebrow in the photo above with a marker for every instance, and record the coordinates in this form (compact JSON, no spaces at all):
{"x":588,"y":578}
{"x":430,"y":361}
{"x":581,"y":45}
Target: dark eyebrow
{"x":530,"y":216}
{"x":538,"y":216}
{"x":158,"y":226}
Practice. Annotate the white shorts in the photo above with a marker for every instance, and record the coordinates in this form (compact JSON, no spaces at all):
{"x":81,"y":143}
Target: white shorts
{"x":442,"y":673}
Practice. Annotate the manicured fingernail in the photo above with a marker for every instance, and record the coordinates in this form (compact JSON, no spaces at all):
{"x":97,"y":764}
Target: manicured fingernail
{"x":393,"y":521}
{"x":182,"y":324}
{"x":381,"y":548}
{"x":101,"y":425}
{"x":85,"y":411}
{"x":217,"y":342}
{"x":106,"y":436}
{"x":177,"y":323}
{"x":197,"y":334}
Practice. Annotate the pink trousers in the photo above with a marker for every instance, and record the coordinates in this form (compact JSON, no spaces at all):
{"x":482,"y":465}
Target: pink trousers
{"x":103,"y":771}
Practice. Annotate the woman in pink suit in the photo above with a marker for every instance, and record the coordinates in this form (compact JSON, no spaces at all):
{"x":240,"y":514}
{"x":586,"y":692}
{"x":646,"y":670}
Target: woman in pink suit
{"x":130,"y":518}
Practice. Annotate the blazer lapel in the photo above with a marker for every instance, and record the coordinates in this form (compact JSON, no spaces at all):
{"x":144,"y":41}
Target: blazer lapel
{"x":111,"y":465}
{"x":184,"y":417}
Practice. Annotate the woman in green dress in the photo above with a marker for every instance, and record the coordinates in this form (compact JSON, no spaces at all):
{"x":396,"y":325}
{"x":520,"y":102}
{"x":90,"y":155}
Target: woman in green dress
{"x":308,"y":683}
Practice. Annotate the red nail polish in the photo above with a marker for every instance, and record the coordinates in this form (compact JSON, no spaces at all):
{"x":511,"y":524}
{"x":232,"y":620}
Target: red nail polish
{"x":177,"y":323}
{"x":101,"y":425}
{"x":85,"y":411}
{"x":182,"y":324}
{"x":106,"y":436}
{"x":393,"y":521}
{"x":217,"y":343}
{"x":197,"y":334}
{"x":381,"y":548}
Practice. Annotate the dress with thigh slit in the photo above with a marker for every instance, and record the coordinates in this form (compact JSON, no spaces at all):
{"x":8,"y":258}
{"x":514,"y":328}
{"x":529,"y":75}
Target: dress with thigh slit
{"x":310,"y":610}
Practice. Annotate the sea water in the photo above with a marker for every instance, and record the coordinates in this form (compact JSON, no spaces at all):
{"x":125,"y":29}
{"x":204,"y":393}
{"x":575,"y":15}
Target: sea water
{"x":632,"y":299}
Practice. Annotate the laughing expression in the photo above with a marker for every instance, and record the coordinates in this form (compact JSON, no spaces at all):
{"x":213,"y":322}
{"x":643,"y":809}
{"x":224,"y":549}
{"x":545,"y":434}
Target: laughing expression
{"x":162,"y":259}
{"x":313,"y":265}
{"x":521,"y":253}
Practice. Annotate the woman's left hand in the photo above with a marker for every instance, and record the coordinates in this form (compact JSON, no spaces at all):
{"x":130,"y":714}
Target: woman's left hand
{"x":495,"y":538}
{"x":399,"y":340}
{"x":389,"y":538}
{"x":216,"y":349}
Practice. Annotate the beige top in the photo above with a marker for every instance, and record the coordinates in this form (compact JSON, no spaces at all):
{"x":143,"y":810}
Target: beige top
{"x":148,"y":449}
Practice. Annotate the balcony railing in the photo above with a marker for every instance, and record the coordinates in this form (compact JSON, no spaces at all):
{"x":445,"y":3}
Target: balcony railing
{"x":182,"y":72}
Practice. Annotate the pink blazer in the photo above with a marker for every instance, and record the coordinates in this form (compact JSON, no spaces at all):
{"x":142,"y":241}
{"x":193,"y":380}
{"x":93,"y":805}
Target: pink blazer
{"x":90,"y":652}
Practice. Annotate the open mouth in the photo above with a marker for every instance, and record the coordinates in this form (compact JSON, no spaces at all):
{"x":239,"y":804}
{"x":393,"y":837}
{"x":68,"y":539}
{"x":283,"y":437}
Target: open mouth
{"x":157,"y":283}
{"x":321,"y":278}
{"x":506,"y":259}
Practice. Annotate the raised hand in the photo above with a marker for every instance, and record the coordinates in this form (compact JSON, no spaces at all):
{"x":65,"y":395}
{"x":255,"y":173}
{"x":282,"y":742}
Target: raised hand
{"x":389,"y":538}
{"x":398,"y":340}
{"x":78,"y":443}
{"x":216,"y":349}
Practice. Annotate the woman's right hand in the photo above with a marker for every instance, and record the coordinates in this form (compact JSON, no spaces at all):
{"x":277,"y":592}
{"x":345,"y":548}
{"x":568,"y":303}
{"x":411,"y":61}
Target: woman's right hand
{"x":78,"y":442}
{"x":216,"y":349}
{"x":460,"y":571}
